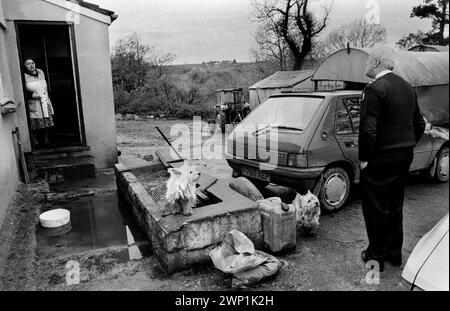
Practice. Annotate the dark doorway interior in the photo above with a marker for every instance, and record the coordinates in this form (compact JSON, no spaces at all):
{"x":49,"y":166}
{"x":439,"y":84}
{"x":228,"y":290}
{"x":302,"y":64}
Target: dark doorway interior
{"x":50,"y":46}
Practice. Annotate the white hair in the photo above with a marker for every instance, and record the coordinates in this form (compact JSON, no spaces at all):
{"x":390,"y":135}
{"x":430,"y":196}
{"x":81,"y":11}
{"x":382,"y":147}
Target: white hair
{"x":385,"y":54}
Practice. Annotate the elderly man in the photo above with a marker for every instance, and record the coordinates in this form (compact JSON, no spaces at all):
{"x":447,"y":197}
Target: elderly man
{"x":391,"y":125}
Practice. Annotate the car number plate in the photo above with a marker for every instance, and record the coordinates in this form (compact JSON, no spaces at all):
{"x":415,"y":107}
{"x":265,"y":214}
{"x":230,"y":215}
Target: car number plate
{"x":254,"y":173}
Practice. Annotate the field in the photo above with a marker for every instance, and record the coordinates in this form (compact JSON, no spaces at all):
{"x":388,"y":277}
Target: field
{"x":141,"y":139}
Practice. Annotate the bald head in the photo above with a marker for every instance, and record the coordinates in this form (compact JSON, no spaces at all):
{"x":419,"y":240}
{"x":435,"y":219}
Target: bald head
{"x":380,"y":58}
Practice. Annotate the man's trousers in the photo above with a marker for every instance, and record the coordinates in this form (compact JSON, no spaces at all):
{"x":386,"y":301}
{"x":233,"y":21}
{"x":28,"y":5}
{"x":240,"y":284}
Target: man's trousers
{"x":383,"y":187}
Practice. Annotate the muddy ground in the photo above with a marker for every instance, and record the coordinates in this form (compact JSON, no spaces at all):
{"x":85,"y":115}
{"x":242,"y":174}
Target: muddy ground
{"x":327,"y":261}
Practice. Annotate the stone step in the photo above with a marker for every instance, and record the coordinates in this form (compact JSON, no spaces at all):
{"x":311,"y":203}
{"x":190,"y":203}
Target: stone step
{"x":57,"y":170}
{"x":60,"y":153}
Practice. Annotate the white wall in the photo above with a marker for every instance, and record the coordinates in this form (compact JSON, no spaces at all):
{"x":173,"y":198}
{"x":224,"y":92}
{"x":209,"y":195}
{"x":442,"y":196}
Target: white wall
{"x":8,"y":165}
{"x":94,"y":65}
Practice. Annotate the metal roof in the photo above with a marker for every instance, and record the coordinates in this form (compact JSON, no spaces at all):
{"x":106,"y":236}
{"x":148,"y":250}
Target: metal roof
{"x":281,"y":79}
{"x":419,"y":69}
{"x":429,"y":47}
{"x":320,"y":93}
{"x":94,"y":7}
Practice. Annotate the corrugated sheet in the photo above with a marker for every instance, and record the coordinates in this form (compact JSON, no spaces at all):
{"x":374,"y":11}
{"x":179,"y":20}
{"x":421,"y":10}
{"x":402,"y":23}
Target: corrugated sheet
{"x":343,"y":66}
{"x":282,"y":79}
{"x":423,"y":69}
{"x":429,"y":47}
{"x":419,"y":69}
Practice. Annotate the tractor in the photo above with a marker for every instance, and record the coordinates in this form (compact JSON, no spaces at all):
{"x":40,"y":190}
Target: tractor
{"x":231,"y":107}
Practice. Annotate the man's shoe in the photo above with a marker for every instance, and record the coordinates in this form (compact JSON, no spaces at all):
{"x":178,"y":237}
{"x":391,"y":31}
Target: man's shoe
{"x":366,"y":258}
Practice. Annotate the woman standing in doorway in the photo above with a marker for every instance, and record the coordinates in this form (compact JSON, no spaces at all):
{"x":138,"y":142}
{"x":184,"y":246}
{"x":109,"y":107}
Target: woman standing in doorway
{"x":39,"y":104}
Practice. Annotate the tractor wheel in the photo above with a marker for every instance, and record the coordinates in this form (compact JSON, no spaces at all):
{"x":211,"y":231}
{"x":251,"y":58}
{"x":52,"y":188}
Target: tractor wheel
{"x":441,"y":174}
{"x":335,"y":189}
{"x":246,"y":112}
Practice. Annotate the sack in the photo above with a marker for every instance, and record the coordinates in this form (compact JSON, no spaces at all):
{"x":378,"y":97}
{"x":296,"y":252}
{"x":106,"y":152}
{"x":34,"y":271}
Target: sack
{"x":258,"y":274}
{"x":246,"y":188}
{"x":237,"y":255}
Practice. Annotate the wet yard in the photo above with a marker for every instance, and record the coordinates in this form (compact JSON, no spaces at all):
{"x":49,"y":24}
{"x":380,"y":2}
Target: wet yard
{"x":102,"y":234}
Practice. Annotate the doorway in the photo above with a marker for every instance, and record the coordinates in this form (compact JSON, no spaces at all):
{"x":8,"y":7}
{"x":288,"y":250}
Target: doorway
{"x":51,"y":45}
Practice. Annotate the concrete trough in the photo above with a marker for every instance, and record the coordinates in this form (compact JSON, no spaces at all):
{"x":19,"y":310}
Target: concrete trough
{"x":181,"y":241}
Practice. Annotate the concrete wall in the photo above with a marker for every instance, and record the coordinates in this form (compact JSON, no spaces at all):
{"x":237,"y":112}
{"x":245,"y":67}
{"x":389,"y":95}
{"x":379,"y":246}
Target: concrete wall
{"x":8,"y":164}
{"x":94,"y":64}
{"x":94,"y":67}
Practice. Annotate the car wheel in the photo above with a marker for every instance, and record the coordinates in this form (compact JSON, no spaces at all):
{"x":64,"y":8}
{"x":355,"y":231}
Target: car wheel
{"x":335,"y":189}
{"x":441,"y":173}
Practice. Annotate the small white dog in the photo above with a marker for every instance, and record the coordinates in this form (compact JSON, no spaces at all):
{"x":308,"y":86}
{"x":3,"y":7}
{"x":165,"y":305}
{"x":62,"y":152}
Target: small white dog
{"x":307,"y":209}
{"x":181,"y":188}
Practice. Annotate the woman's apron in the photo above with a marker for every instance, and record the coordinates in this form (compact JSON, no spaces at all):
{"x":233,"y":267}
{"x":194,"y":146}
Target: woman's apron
{"x":39,"y":108}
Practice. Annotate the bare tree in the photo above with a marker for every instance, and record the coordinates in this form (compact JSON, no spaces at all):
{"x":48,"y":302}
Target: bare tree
{"x":129,"y":64}
{"x":358,"y":33}
{"x":292,"y":22}
{"x":271,"y":48}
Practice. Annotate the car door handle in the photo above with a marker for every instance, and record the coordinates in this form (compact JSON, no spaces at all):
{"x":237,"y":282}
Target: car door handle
{"x":349,"y":143}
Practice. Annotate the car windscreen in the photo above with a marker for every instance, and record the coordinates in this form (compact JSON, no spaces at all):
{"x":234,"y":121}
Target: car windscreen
{"x":289,"y":112}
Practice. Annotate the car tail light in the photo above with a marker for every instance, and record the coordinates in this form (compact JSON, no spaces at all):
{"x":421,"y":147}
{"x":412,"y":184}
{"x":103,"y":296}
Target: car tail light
{"x":297,"y":160}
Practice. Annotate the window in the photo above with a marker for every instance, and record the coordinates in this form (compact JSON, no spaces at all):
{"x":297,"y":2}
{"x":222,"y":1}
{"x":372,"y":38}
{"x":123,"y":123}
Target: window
{"x":287,"y":111}
{"x":354,"y":106}
{"x":343,"y":124}
{"x":348,"y":116}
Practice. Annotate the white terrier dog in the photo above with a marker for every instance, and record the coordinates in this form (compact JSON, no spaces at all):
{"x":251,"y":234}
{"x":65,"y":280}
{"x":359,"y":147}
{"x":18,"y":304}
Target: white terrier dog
{"x":181,"y":188}
{"x":307,"y":211}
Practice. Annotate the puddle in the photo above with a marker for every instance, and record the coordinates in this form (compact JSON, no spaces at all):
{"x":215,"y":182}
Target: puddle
{"x":97,"y":221}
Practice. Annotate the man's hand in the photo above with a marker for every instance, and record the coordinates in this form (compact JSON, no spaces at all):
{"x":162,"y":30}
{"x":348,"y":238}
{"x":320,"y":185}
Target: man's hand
{"x":363,"y":165}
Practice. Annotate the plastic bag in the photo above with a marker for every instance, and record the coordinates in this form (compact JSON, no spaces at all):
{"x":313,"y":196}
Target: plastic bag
{"x":237,"y":255}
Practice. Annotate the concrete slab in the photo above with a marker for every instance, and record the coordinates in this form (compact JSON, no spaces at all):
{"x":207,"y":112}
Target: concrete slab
{"x":181,"y":241}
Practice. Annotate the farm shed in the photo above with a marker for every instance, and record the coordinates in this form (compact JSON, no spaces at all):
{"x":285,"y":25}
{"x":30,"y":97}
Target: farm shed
{"x":427,"y":72}
{"x":278,"y":82}
{"x":429,"y":48}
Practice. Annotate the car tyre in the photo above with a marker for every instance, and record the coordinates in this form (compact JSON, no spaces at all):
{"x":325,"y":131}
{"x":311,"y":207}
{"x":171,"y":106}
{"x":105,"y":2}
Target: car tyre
{"x":246,"y":112}
{"x":259,"y":184}
{"x":441,"y":173}
{"x":335,"y":189}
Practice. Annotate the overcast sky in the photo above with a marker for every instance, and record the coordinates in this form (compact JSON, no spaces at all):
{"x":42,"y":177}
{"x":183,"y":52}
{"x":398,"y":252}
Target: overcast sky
{"x":204,"y":30}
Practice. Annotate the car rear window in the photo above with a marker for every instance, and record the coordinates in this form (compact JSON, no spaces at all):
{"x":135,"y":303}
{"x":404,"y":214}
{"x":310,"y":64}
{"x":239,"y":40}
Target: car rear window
{"x":290,"y":111}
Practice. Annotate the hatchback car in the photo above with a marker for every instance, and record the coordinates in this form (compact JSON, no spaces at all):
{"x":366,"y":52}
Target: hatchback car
{"x":310,"y":141}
